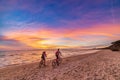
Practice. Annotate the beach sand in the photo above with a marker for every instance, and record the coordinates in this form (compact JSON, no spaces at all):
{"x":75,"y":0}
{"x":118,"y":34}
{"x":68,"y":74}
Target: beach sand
{"x":102,"y":65}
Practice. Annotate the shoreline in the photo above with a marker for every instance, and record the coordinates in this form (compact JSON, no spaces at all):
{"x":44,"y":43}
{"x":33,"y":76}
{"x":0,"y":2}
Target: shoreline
{"x":48,"y":60}
{"x":102,"y":65}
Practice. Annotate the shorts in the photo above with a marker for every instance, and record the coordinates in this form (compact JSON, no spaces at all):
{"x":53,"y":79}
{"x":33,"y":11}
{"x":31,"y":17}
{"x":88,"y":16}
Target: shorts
{"x":57,"y":56}
{"x":43,"y":58}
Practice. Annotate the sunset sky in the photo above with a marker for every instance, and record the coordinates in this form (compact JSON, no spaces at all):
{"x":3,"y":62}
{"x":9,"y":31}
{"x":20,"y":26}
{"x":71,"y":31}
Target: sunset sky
{"x":36,"y":24}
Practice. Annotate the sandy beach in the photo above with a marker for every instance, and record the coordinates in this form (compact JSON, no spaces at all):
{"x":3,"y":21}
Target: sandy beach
{"x":102,"y":65}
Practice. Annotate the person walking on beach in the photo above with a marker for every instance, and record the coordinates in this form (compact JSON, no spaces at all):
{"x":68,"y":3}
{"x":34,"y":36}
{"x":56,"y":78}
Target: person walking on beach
{"x":58,"y":54}
{"x":43,"y":57}
{"x":56,"y":62}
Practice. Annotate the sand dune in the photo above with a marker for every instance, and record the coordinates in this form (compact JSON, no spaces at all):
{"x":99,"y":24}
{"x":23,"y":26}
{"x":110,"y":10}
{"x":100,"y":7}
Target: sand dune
{"x":102,"y":65}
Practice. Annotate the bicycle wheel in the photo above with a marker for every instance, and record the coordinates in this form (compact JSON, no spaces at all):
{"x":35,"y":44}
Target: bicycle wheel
{"x":60,"y":60}
{"x":40,"y":64}
{"x":54,"y":64}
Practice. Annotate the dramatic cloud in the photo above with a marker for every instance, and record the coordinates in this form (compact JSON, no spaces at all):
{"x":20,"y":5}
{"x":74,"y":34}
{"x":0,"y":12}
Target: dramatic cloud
{"x":11,"y":44}
{"x":58,"y":23}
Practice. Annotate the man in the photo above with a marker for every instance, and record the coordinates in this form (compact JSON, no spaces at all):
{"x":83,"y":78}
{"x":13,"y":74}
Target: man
{"x":58,"y":54}
{"x":43,"y":57}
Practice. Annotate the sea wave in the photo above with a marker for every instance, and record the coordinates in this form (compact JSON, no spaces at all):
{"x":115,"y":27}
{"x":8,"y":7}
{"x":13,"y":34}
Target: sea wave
{"x":23,"y":57}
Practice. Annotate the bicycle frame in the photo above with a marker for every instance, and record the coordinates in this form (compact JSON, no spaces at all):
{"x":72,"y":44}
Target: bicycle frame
{"x":56,"y":62}
{"x":41,"y":63}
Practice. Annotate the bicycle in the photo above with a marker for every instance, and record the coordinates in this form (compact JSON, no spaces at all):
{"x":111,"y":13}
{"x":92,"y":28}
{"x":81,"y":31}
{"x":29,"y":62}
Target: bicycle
{"x":42,"y":64}
{"x":56,"y":62}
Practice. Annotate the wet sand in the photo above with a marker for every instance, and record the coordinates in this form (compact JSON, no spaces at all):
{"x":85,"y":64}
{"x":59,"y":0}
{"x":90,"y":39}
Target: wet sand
{"x":102,"y":65}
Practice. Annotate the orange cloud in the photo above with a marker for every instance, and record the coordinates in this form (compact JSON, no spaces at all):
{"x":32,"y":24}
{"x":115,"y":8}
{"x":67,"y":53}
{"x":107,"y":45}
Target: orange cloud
{"x":103,"y":30}
{"x":51,"y":38}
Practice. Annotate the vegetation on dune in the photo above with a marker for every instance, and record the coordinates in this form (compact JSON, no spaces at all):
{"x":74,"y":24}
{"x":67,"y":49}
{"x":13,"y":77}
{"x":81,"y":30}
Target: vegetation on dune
{"x":115,"y":46}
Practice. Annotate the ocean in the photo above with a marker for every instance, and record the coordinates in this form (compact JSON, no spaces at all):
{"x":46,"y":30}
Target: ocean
{"x":8,"y":58}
